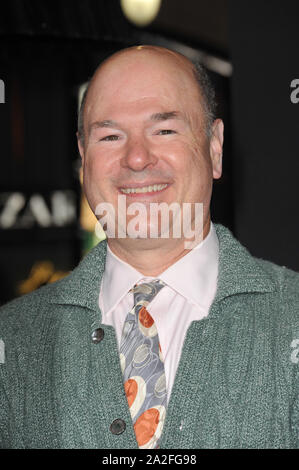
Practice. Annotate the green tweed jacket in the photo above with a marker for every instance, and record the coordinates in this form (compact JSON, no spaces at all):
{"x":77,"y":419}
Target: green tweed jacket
{"x":236,"y":385}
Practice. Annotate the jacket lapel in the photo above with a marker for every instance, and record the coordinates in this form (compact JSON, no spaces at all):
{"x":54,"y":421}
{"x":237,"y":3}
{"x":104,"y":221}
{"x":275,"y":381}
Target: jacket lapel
{"x":82,"y":286}
{"x":239,"y":271}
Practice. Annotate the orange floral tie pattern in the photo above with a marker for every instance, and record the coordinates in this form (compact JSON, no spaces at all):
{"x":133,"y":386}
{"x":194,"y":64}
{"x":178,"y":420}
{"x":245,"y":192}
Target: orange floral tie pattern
{"x":143,"y":368}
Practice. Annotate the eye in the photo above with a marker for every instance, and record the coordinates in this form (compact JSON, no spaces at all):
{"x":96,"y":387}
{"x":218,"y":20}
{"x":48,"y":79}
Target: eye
{"x":166,"y":132}
{"x":110,"y":138}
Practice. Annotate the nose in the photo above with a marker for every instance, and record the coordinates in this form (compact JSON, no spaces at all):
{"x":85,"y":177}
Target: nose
{"x":138,"y":155}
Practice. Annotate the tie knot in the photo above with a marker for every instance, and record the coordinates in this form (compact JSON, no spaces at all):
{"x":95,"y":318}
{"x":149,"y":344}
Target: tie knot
{"x":147,"y":290}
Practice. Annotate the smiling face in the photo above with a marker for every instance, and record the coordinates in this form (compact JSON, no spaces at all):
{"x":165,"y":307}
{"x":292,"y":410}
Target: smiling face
{"x":145,"y":133}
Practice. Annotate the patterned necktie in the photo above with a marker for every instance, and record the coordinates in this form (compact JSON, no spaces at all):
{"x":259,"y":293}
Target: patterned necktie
{"x":143,"y":367}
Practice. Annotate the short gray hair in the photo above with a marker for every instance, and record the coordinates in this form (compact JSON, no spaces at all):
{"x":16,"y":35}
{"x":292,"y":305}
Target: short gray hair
{"x":206,"y":89}
{"x":80,"y":123}
{"x":208,"y":94}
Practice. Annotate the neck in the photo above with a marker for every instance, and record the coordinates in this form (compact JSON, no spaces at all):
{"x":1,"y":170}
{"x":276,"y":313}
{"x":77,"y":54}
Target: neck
{"x":151,"y":257}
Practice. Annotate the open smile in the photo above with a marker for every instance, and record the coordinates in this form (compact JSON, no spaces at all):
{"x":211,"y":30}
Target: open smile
{"x":148,"y":190}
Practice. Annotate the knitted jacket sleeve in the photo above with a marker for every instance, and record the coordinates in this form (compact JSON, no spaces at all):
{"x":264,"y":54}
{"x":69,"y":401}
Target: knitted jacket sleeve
{"x":291,"y":302}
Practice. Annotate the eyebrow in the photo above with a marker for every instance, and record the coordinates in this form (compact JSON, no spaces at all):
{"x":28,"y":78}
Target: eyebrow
{"x":154,"y":117}
{"x":165,"y":116}
{"x":105,"y":123}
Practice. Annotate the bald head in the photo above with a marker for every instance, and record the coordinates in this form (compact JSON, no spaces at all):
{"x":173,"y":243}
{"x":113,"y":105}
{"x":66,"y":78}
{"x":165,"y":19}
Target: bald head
{"x":153,"y":58}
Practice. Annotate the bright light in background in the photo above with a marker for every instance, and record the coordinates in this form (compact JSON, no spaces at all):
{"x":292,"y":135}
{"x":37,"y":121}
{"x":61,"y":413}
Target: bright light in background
{"x":140,"y":12}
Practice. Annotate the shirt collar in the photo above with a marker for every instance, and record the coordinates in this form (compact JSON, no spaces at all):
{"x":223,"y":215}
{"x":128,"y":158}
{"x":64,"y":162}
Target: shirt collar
{"x":194,"y":275}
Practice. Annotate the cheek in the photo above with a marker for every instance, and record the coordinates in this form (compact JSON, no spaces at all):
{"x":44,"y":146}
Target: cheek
{"x":195,"y":172}
{"x":201,"y":158}
{"x":97,"y":166}
{"x":179,"y":154}
{"x":95,"y":173}
{"x":189,"y":160}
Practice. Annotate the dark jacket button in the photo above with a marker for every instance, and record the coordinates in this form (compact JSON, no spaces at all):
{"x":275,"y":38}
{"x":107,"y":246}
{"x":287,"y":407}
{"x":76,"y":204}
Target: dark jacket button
{"x":97,"y":335}
{"x":118,"y":426}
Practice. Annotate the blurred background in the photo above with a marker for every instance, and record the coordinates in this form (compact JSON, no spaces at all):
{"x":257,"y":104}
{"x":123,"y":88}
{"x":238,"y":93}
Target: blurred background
{"x":49,"y":50}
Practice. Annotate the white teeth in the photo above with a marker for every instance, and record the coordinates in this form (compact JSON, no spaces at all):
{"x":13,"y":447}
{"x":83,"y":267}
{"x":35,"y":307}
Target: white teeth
{"x":145,"y":189}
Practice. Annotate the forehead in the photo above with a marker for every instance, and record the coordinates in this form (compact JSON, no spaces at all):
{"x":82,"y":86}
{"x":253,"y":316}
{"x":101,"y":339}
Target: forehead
{"x":134,"y":79}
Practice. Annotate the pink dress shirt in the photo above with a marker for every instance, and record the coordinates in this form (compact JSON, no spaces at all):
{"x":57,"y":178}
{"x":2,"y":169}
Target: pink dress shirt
{"x":191,"y":284}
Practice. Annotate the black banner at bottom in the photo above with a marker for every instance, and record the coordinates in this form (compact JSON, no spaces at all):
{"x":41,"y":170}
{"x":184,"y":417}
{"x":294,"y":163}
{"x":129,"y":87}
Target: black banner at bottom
{"x":150,"y":458}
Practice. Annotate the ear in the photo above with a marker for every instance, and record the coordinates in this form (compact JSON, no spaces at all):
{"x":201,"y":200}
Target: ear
{"x":80,"y":148}
{"x":216,"y":147}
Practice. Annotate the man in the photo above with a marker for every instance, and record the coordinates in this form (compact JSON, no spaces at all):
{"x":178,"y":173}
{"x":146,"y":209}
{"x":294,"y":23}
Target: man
{"x":149,"y":343}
